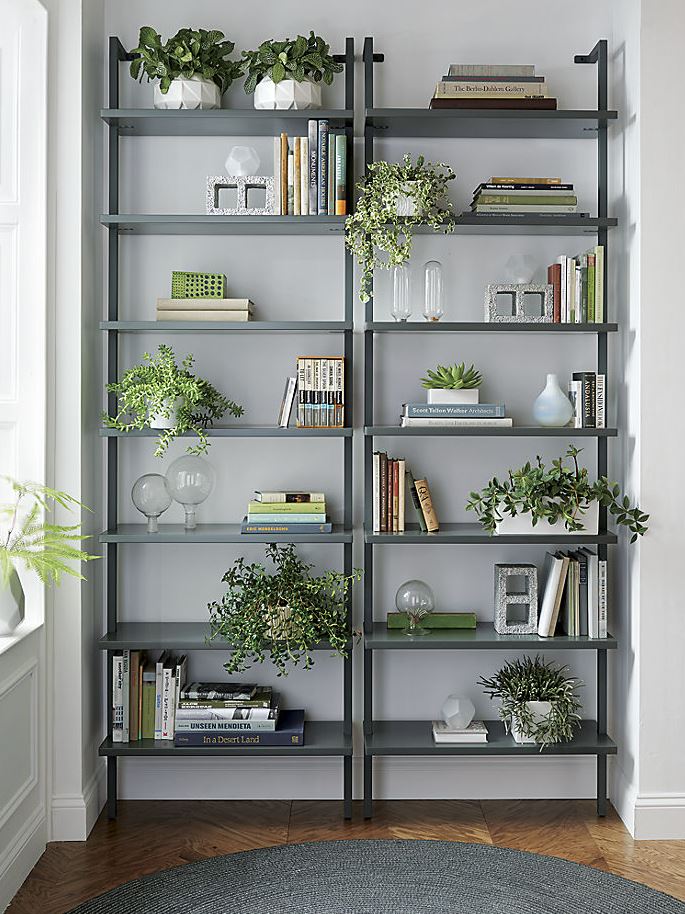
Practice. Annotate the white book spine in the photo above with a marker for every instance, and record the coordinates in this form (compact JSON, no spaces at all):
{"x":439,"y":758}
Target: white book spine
{"x":167,"y":687}
{"x":454,"y":422}
{"x":277,"y":176}
{"x":376,"y":493}
{"x":304,"y":176}
{"x":117,"y":699}
{"x":593,"y":595}
{"x":600,"y":401}
{"x":603,"y":598}
{"x":301,"y":382}
{"x":402,"y":468}
{"x":564,"y":288}
{"x":324,"y":418}
{"x":126,"y":688}
{"x":159,"y":670}
{"x":571,"y":289}
{"x":579,"y":295}
{"x":599,"y":284}
{"x":549,"y":598}
{"x":340,"y":392}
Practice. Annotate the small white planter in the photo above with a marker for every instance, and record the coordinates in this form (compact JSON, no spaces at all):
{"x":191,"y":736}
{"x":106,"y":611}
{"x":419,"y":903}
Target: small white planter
{"x":192,"y":93}
{"x":441,"y":395}
{"x":157,"y":420}
{"x":406,"y":203}
{"x":287,"y":94}
{"x":539,"y":710}
{"x":521,"y":525}
{"x":12,"y":604}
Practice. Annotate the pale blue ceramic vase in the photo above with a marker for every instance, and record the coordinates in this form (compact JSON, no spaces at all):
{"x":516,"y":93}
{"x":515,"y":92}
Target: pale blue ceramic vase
{"x":552,"y":409}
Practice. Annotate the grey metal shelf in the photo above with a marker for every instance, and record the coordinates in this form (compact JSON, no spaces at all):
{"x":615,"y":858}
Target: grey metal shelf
{"x":483,"y":637}
{"x":197,"y":224}
{"x":415,"y":737}
{"x":482,"y":431}
{"x":136,"y":122}
{"x":227,"y":326}
{"x":238,"y":431}
{"x":487,"y":123}
{"x":473,"y":534}
{"x":483,"y":327}
{"x":216,"y":533}
{"x":178,"y":636}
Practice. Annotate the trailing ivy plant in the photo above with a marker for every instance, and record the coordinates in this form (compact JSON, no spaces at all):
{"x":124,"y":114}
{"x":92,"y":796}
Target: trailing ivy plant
{"x":375,"y":234}
{"x":452,"y":377}
{"x":159,"y":387}
{"x":528,"y":679}
{"x":561,"y":492}
{"x":284,"y":614}
{"x":293,"y":58}
{"x":190,"y":52}
{"x":48,"y":549}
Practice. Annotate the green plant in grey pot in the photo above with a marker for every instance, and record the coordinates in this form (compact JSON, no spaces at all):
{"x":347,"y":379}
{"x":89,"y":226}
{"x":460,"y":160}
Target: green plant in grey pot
{"x":161,"y":394}
{"x":285,"y":613}
{"x":289,"y":73}
{"x":538,"y":702}
{"x":452,"y":384}
{"x":396,"y":197}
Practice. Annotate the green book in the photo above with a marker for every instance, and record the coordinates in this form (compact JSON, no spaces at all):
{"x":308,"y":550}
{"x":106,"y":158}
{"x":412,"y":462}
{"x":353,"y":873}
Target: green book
{"x":591,"y":289}
{"x":435,"y":620}
{"x":148,"y":718}
{"x":312,"y":507}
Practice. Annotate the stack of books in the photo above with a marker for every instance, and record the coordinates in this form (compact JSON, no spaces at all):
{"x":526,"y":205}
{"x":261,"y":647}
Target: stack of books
{"x":310,"y":172}
{"x":574,"y":600}
{"x":476,"y":732}
{"x":587,"y":393}
{"x":216,"y":714}
{"x":464,"y":415}
{"x":287,"y":512}
{"x":145,"y":694}
{"x":320,"y":392}
{"x":392,"y":480}
{"x":492,"y":86}
{"x":578,"y":287}
{"x":520,"y":196}
{"x":204,"y":309}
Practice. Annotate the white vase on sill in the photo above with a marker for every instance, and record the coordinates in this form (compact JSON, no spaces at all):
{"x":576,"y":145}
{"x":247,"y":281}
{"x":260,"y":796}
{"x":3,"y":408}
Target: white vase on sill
{"x":552,"y":409}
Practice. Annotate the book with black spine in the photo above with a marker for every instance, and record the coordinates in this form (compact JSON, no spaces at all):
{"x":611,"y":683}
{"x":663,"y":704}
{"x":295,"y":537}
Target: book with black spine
{"x":290,"y":732}
{"x":588,"y":396}
{"x":410,"y":486}
{"x":117,"y":698}
{"x":219,"y":691}
{"x":263,"y":697}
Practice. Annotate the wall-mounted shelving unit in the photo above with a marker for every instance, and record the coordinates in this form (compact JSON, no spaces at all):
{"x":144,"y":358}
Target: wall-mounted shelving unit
{"x":322,"y":737}
{"x":409,"y":737}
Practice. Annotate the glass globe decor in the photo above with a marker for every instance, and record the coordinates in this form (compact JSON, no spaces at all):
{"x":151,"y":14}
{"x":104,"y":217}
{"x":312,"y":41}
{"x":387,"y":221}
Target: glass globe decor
{"x":242,"y":161}
{"x":416,"y":601}
{"x":150,"y":494}
{"x":433,"y":308}
{"x":190,"y":480}
{"x":401,"y":300}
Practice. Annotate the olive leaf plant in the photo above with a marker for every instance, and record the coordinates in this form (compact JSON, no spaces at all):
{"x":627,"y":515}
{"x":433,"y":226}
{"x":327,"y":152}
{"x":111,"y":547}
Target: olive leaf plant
{"x":375,"y":234}
{"x":527,"y":679}
{"x":190,"y":52}
{"x":160,"y":387}
{"x":293,"y":58}
{"x":452,"y":377}
{"x":284,"y":614}
{"x":562,"y":492}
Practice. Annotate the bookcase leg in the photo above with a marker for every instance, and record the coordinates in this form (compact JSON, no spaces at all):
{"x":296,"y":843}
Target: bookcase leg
{"x":347,"y":787}
{"x":601,"y":785}
{"x":368,"y":786}
{"x":111,"y":787}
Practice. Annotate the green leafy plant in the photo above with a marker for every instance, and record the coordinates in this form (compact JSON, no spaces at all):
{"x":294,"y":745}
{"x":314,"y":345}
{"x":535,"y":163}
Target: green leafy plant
{"x":294,"y":58}
{"x":285,"y":613}
{"x":562,"y":492}
{"x":159,"y":387}
{"x":26,"y":537}
{"x":452,"y":377}
{"x":527,"y":679}
{"x":190,"y":52}
{"x":375,"y":234}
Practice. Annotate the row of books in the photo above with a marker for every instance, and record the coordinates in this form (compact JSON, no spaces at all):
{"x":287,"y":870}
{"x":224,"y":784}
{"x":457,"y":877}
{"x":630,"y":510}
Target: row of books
{"x":575,"y":597}
{"x":578,"y":287}
{"x":280,"y":512}
{"x":476,"y":732}
{"x":392,"y":480}
{"x":320,"y":392}
{"x":492,"y":86}
{"x":145,"y":694}
{"x":310,"y":172}
{"x":524,"y":196}
{"x":464,"y":415}
{"x":205,"y":309}
{"x":587,"y":393}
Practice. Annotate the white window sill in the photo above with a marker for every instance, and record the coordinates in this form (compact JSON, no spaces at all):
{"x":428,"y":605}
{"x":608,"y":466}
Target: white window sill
{"x":26,"y":628}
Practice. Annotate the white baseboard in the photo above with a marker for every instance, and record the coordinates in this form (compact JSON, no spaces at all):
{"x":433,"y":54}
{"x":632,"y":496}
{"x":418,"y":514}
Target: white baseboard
{"x":18,"y":859}
{"x":623,"y":795}
{"x":74,"y":815}
{"x":659,"y":817}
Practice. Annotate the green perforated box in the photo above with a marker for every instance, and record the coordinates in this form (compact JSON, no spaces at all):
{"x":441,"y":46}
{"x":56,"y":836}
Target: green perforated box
{"x":198,"y":285}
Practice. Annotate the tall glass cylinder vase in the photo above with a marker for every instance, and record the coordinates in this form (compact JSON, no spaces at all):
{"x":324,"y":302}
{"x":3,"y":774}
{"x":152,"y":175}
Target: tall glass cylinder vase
{"x":401,"y":292}
{"x":433,"y":308}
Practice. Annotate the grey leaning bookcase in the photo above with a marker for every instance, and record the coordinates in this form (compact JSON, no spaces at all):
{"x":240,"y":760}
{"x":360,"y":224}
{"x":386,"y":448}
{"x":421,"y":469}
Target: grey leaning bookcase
{"x":414,"y":737}
{"x":322,"y":737}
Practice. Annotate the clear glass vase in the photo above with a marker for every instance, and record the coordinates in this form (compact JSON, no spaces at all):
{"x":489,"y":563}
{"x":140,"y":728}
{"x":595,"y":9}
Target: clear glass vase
{"x":433,"y":308}
{"x":401,"y":292}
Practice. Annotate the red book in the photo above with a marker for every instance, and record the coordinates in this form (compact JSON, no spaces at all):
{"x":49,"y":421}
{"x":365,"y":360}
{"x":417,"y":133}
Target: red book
{"x":541,"y":103}
{"x":554,"y":279}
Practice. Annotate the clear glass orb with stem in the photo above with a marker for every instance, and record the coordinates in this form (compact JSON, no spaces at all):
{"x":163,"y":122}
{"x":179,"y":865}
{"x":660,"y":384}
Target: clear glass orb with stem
{"x":401,"y":292}
{"x":433,"y":306}
{"x":191,"y":481}
{"x":415,"y":599}
{"x":150,"y":494}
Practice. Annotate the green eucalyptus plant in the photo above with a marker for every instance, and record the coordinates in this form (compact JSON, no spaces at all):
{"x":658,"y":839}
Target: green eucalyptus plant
{"x":25,"y":536}
{"x":294,"y":58}
{"x":285,"y":613}
{"x":190,"y":52}
{"x":159,"y":387}
{"x":528,"y":679}
{"x":452,"y":377}
{"x":375,"y":234}
{"x":562,"y":492}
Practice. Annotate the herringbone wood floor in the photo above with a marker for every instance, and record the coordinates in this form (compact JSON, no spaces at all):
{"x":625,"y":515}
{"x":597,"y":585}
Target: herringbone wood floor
{"x":151,"y":836}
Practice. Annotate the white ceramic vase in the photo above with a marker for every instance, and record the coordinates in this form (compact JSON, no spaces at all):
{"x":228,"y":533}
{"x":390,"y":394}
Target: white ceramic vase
{"x":405,"y":206}
{"x":522,"y":525}
{"x":158,"y":420}
{"x":539,"y":711}
{"x":12,"y":604}
{"x":192,"y":93}
{"x":441,"y":395}
{"x":287,"y":94}
{"x":552,"y":409}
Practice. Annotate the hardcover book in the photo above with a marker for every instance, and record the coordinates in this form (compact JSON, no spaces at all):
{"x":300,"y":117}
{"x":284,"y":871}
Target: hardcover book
{"x":435,"y":620}
{"x":290,"y":732}
{"x":476,"y":732}
{"x":289,"y":497}
{"x":223,"y":691}
{"x":454,"y":410}
{"x":426,"y":502}
{"x":255,"y":527}
{"x":292,"y":507}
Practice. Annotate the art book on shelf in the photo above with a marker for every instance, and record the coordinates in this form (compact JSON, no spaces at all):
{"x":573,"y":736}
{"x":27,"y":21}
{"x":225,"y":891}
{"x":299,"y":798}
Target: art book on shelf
{"x":289,"y":497}
{"x":289,"y":732}
{"x":476,"y":732}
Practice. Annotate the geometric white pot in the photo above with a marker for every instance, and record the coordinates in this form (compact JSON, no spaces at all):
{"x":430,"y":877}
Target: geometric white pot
{"x":539,"y":711}
{"x":521,"y":525}
{"x":441,"y":395}
{"x":157,"y":420}
{"x":287,"y":94}
{"x":405,"y":205}
{"x":192,"y":93}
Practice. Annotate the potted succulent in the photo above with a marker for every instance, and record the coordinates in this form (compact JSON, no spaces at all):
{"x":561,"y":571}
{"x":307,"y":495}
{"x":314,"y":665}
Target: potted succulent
{"x":538,"y":703}
{"x":395,"y":197}
{"x":160,"y":394}
{"x":288,"y":74}
{"x":191,"y":69}
{"x":452,"y":384}
{"x":562,"y":496}
{"x":286,"y":613}
{"x":26,"y":538}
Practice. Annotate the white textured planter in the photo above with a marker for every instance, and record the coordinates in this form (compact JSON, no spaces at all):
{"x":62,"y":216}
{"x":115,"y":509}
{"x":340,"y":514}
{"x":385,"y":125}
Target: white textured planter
{"x":440,"y":395}
{"x":12,"y":604}
{"x":406,"y":204}
{"x":521,"y":525}
{"x":195,"y":92}
{"x":157,"y":420}
{"x":286,"y":94}
{"x":540,"y":710}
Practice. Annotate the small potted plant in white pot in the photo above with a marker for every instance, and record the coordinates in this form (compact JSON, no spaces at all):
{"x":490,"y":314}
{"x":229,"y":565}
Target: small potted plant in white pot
{"x":191,"y":69}
{"x":538,"y":703}
{"x":452,"y":384}
{"x":289,"y":74}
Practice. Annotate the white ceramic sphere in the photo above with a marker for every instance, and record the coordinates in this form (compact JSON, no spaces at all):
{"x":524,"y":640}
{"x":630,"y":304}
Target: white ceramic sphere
{"x":190,"y":479}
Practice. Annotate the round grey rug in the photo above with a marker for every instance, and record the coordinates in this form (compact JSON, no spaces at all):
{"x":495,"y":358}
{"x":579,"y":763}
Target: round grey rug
{"x":382,"y":877}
